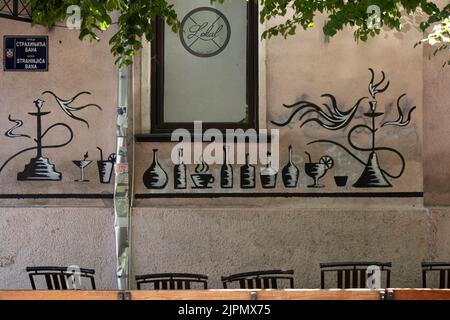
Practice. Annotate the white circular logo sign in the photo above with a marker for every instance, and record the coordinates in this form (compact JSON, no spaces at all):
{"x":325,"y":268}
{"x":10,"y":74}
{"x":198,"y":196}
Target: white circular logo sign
{"x":205,"y":32}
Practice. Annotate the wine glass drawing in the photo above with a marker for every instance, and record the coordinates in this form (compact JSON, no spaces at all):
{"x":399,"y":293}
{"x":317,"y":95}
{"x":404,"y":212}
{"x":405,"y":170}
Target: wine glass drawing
{"x":316,"y":171}
{"x":82,"y":164}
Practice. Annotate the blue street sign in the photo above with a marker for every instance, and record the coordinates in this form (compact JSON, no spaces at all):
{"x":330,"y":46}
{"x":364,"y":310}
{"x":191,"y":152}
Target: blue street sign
{"x":25,"y":53}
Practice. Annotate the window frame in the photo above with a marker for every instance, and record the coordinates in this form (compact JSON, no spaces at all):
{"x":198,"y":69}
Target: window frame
{"x":160,"y":130}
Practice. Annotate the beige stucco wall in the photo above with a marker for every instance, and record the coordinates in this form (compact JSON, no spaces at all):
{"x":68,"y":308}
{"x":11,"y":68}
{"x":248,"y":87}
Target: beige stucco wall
{"x":222,"y":241}
{"x":229,"y":241}
{"x":340,"y":67}
{"x":57,"y":237}
{"x":74,"y":66}
{"x":210,"y":236}
{"x":294,"y":72}
{"x":437,"y":124}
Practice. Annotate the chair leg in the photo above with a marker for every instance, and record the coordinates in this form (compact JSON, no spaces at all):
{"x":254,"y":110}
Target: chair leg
{"x":33,"y":285}
{"x":424,"y":278}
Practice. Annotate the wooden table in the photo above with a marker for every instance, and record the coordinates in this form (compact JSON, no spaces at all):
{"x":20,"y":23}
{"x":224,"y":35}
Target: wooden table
{"x":362,"y":294}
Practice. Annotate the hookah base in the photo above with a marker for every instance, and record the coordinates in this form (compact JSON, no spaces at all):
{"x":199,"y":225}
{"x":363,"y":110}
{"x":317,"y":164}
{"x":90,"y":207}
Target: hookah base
{"x":372,"y":176}
{"x":39,"y":169}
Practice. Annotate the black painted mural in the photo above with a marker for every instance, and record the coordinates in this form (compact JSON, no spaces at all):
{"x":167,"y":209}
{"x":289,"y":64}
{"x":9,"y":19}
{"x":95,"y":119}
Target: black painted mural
{"x":155,"y":177}
{"x":331,"y":117}
{"x":308,"y":171}
{"x":41,"y":168}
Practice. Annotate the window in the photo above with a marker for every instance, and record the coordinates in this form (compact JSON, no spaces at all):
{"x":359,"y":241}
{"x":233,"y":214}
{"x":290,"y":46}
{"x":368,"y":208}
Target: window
{"x":209,"y":71}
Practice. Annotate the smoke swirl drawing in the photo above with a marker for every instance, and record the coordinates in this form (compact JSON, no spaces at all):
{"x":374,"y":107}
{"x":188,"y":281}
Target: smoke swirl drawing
{"x":18,"y":123}
{"x":66,"y":107}
{"x":335,"y":118}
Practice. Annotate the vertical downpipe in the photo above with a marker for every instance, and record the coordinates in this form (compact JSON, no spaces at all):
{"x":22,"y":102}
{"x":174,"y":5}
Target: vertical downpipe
{"x":122,"y":207}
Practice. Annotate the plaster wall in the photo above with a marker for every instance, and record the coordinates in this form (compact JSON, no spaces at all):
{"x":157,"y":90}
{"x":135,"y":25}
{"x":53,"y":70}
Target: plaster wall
{"x":74,"y":67}
{"x":219,"y":237}
{"x":222,"y":241}
{"x":437,"y":124}
{"x":296,"y":72}
{"x":58,"y":237}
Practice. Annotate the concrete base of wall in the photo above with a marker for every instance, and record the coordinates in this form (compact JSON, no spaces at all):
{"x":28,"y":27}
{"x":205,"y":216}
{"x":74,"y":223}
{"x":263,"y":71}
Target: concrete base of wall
{"x":56,"y":237}
{"x":222,"y":241}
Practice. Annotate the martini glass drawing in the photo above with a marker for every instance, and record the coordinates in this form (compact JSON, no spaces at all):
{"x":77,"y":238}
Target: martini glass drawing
{"x":318,"y":170}
{"x":82,"y":164}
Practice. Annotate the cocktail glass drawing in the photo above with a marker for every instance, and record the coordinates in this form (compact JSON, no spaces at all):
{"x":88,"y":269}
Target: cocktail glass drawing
{"x":82,"y":164}
{"x":317,"y":170}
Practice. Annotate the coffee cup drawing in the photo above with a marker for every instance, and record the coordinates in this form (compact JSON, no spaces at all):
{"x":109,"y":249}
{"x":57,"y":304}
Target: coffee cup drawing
{"x":202,"y":180}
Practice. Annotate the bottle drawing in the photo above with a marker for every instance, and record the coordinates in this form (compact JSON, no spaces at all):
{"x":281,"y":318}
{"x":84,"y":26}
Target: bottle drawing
{"x":179,"y":172}
{"x":290,"y":172}
{"x":226,"y":172}
{"x":248,"y":176}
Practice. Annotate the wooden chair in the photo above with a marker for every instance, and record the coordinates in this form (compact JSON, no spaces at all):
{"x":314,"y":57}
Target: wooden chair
{"x":442,"y":268}
{"x":352,"y":275}
{"x":60,"y":278}
{"x":172,"y":281}
{"x":270,"y":279}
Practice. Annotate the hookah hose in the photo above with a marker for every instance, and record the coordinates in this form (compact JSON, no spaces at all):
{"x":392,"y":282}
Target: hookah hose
{"x":43,"y":147}
{"x":402,"y":159}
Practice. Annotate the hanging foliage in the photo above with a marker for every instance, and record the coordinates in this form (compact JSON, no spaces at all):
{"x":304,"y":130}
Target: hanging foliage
{"x":135,"y":17}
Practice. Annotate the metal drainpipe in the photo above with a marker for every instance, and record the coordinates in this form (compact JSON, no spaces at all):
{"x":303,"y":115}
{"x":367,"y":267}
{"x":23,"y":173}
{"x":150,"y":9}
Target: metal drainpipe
{"x":122,"y":203}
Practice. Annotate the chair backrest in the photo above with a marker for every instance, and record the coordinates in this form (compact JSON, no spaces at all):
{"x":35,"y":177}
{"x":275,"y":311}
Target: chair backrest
{"x":434,"y":268}
{"x":61,"y":278}
{"x":270,"y":279}
{"x":172,"y":281}
{"x":353,"y":275}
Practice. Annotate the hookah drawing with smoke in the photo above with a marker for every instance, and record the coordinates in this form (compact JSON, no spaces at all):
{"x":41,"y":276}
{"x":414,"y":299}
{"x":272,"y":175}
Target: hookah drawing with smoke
{"x":333,"y":118}
{"x":40,"y":168}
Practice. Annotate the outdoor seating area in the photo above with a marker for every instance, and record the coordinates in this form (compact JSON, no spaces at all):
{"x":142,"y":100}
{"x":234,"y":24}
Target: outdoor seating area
{"x":343,"y":275}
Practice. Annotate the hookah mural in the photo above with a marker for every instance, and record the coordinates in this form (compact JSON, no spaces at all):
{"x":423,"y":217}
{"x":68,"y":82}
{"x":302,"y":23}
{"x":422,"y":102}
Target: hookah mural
{"x":334,"y":118}
{"x":40,"y":168}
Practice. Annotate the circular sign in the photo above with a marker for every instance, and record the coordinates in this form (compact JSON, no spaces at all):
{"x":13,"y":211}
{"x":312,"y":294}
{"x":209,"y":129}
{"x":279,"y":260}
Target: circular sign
{"x":205,"y":32}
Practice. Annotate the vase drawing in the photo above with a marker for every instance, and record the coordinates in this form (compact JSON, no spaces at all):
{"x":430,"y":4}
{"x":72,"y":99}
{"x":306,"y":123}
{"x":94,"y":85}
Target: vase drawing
{"x":155,"y":177}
